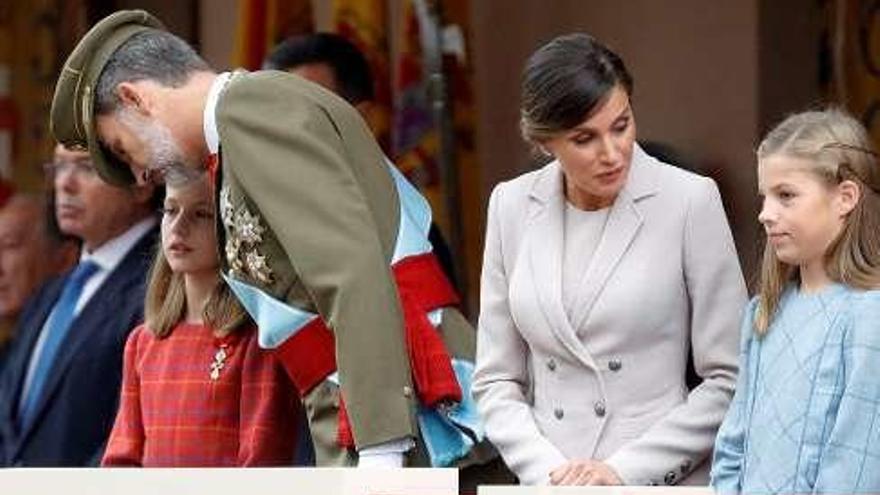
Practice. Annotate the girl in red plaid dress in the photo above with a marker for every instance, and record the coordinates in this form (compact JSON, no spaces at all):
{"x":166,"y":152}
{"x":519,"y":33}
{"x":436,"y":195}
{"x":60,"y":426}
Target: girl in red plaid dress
{"x":197,"y":390}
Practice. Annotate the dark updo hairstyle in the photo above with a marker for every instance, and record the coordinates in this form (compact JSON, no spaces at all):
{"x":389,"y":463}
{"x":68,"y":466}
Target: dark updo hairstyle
{"x":564,"y":81}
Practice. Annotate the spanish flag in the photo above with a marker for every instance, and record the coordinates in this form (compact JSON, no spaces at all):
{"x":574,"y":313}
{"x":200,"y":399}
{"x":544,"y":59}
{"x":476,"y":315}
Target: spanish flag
{"x":264,"y":23}
{"x":454,"y":194}
{"x":415,"y":135}
{"x":459,"y":69}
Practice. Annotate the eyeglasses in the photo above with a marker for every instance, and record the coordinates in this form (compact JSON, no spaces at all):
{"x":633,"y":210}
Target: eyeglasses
{"x":82,"y":167}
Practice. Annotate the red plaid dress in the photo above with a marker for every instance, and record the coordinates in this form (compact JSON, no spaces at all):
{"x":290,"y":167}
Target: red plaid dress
{"x":172,"y":413}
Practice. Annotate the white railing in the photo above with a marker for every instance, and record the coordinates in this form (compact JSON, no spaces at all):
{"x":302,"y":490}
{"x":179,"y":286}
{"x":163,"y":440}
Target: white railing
{"x":213,"y":481}
{"x":279,"y":481}
{"x":595,"y":490}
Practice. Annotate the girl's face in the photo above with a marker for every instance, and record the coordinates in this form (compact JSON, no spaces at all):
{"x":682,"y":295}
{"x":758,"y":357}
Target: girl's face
{"x":189,"y":241}
{"x":596,"y":154}
{"x":801,"y":214}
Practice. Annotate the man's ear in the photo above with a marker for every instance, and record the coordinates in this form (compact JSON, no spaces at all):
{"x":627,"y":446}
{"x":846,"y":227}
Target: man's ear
{"x":848,"y":195}
{"x":132,"y":95}
{"x":143,"y":193}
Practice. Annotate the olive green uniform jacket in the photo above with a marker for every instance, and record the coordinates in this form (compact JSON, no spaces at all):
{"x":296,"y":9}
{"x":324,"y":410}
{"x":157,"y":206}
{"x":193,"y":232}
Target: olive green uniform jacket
{"x":310,"y":215}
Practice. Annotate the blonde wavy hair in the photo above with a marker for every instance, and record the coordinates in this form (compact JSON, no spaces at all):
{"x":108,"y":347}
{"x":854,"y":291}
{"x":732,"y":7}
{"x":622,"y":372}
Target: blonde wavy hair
{"x":837,"y":148}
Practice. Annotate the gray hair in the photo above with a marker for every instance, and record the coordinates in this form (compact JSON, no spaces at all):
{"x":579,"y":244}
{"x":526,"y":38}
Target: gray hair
{"x":153,"y":55}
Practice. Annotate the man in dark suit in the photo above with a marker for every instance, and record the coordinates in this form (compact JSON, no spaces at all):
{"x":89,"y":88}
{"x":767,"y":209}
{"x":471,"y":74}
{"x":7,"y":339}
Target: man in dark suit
{"x":30,"y":254}
{"x":60,"y":387}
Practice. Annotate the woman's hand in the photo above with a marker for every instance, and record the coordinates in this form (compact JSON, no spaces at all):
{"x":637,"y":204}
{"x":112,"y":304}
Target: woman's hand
{"x":584,"y":472}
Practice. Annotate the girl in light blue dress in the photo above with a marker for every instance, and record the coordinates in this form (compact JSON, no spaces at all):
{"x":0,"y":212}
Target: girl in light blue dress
{"x":806,"y":414}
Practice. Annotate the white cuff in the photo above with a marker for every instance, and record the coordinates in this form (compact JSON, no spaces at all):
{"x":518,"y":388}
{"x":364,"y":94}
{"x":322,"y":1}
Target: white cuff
{"x":385,"y":455}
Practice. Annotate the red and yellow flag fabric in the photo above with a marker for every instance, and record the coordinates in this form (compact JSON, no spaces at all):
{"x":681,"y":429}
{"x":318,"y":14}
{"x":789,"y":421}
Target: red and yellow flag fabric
{"x":264,"y":23}
{"x":459,"y":70}
{"x":404,"y":120}
{"x":415,"y":134}
{"x":35,"y":38}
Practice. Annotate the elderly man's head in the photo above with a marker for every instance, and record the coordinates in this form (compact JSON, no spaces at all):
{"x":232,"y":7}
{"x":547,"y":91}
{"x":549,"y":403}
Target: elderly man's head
{"x":89,"y":208}
{"x":29,"y":251}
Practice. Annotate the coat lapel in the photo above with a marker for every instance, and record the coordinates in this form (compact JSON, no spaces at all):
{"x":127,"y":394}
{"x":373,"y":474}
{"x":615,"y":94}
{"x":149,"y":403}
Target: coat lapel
{"x":624,"y":222}
{"x":545,"y":246}
{"x":91,"y":319}
{"x":34,"y":323}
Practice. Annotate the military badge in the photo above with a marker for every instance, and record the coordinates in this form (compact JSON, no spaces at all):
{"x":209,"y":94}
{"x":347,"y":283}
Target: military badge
{"x":244,"y":233}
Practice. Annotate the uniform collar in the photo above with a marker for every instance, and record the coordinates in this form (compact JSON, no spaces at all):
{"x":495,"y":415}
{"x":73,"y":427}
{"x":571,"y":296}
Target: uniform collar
{"x":209,"y":116}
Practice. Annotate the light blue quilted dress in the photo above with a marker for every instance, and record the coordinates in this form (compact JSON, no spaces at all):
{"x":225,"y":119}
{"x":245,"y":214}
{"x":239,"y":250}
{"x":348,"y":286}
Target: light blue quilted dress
{"x":804,"y":418}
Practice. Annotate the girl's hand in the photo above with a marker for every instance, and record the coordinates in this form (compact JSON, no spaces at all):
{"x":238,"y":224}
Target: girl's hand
{"x":584,"y":472}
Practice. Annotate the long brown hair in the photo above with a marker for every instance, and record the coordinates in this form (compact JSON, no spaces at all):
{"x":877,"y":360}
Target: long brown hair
{"x":165,"y":303}
{"x":837,"y":148}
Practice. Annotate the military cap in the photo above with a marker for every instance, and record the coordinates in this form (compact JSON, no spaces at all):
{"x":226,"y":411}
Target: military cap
{"x":72,"y":116}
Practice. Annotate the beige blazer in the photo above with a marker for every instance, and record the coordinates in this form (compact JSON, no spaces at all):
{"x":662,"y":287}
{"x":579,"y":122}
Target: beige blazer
{"x":664,"y":278}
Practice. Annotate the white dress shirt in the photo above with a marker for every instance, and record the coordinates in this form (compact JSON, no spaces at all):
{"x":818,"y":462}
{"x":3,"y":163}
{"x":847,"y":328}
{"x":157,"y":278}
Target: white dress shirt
{"x":107,"y":257}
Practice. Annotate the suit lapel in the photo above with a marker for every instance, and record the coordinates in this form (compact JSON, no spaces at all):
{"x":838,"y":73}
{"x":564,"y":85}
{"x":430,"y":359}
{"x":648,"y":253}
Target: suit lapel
{"x":34,"y":323}
{"x":545,"y":246}
{"x":92,"y":317}
{"x":624,"y":222}
{"x":89,"y":319}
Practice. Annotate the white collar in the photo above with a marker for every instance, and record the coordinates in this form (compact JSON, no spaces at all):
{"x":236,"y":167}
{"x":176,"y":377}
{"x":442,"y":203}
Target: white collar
{"x":110,"y":254}
{"x":209,"y":116}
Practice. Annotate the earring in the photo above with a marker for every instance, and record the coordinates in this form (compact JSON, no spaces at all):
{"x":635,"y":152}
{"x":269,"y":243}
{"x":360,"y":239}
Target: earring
{"x":544,"y":151}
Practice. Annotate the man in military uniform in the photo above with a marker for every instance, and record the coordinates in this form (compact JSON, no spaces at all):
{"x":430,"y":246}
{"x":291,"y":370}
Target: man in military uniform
{"x":322,"y":241}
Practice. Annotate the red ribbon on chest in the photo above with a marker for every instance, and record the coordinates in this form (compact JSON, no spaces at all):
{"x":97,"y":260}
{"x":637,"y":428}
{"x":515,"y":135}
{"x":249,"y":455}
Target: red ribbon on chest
{"x":309,"y":355}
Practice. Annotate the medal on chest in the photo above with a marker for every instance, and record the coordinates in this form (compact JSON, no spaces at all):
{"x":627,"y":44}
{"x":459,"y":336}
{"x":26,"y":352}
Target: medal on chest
{"x":220,"y":357}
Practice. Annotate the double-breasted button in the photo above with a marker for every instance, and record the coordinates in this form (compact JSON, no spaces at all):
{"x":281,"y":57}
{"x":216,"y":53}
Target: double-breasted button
{"x":670,"y":478}
{"x":599,"y":408}
{"x":615,"y":364}
{"x":559,"y":413}
{"x":407,"y":391}
{"x":551,"y":364}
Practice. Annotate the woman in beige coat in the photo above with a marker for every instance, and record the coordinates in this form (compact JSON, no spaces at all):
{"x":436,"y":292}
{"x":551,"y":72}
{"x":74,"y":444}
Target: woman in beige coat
{"x":601,"y":272}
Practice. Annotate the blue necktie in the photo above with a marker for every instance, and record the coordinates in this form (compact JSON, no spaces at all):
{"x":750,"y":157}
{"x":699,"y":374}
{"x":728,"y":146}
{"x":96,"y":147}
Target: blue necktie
{"x":59,"y":324}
